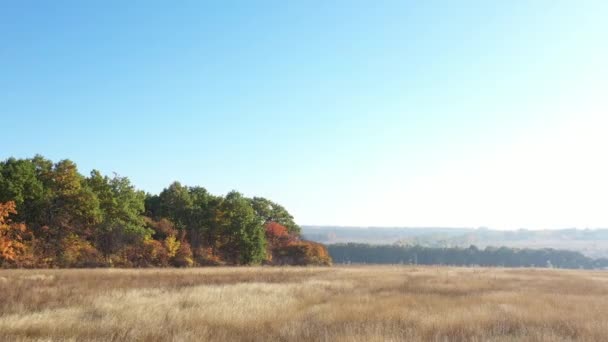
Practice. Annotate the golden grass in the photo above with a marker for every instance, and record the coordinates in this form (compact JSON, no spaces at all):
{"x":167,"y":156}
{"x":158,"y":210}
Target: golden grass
{"x":374,"y":303}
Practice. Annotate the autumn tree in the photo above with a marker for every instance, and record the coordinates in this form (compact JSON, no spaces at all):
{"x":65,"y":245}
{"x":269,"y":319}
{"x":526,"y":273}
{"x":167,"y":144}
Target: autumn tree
{"x":74,"y":207}
{"x":277,"y":235}
{"x":302,"y":253}
{"x":11,"y":235}
{"x":68,"y":207}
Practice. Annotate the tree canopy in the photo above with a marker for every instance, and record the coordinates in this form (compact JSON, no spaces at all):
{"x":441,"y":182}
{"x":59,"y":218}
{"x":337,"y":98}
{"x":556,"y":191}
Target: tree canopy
{"x":68,"y":220}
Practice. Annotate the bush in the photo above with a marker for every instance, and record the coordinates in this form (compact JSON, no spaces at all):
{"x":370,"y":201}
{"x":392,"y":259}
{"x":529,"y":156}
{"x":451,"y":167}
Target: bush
{"x":147,"y":253}
{"x":77,"y":252}
{"x":183,"y":256}
{"x":302,"y":253}
{"x":206,"y":257}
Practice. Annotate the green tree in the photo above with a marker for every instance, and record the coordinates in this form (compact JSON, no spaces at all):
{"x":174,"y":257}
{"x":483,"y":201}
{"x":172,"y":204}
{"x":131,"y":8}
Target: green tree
{"x":268,"y":210}
{"x":152,"y":205}
{"x":121,"y":208}
{"x":175,"y":204}
{"x":191,"y":209}
{"x":20,"y":183}
{"x":201,"y":221}
{"x":245,"y":241}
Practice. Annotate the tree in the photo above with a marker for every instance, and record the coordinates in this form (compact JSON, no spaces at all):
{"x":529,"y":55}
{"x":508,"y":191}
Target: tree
{"x":20,"y":183}
{"x":268,"y":210}
{"x":175,"y":204}
{"x":11,"y":235}
{"x":191,"y":209}
{"x":277,"y":234}
{"x":74,"y":207}
{"x":277,"y":238}
{"x":244,"y":241}
{"x":121,"y":208}
{"x":201,"y":220}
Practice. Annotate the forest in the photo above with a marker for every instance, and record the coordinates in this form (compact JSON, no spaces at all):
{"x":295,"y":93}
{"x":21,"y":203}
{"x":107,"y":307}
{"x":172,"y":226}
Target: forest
{"x":456,"y":256}
{"x":53,"y":216}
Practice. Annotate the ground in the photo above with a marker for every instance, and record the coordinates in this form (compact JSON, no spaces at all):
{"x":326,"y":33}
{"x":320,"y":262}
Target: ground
{"x":372,"y":303}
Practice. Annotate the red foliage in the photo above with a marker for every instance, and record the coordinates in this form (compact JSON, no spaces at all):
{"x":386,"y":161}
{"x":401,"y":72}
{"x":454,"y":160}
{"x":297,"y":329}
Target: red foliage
{"x":277,"y":235}
{"x":163,"y":228}
{"x":287,"y":249}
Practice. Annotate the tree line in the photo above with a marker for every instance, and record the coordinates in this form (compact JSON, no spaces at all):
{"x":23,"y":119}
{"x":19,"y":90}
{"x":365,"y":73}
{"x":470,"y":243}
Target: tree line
{"x":455,"y":256}
{"x":53,"y":216}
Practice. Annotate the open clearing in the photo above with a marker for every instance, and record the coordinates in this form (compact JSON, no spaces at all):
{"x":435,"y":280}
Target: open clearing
{"x":373,"y":303}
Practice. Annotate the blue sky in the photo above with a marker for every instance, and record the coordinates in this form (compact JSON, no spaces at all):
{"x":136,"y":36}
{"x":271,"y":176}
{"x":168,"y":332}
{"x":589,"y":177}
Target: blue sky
{"x":396,"y":113}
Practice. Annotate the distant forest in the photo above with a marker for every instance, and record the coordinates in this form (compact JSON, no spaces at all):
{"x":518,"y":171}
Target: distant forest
{"x":53,"y":216}
{"x":590,"y":242}
{"x":472,"y":256}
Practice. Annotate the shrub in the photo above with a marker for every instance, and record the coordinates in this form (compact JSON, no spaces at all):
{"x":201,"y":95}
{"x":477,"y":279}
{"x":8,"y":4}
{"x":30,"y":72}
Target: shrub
{"x":77,"y":252}
{"x":172,"y":245}
{"x":147,"y":253}
{"x":206,"y":257}
{"x":183,"y":256}
{"x":302,"y":253}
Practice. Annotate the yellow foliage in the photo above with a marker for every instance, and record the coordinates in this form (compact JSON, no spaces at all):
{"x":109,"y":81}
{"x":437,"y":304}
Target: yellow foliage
{"x":172,"y":245}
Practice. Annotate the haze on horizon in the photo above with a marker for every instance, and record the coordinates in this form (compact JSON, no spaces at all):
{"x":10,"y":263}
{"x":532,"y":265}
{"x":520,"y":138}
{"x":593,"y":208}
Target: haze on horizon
{"x":413,"y":113}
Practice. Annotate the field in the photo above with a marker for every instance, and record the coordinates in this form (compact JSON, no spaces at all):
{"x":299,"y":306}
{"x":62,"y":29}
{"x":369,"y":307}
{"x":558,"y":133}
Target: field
{"x":371,"y":303}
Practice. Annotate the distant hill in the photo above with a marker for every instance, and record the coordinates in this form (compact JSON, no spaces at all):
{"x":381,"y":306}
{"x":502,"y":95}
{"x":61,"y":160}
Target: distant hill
{"x":590,"y":242}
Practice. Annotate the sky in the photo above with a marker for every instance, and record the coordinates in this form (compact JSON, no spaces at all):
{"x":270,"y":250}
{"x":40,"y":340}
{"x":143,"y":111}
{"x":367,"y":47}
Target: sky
{"x":351,"y":113}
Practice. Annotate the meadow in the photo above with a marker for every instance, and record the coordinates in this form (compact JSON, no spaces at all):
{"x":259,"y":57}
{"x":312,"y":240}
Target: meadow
{"x":354,"y":303}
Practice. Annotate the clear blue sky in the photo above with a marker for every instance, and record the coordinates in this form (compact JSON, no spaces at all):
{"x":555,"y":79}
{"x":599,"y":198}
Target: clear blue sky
{"x":453,"y":113}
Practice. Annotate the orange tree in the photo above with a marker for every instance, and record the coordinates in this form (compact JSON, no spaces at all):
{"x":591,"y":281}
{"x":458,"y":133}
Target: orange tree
{"x":11,"y":235}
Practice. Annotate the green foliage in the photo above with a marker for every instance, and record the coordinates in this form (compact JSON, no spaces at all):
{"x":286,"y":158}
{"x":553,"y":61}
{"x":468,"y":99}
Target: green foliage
{"x":242,"y":230}
{"x":21,"y":183}
{"x":191,"y":209}
{"x":73,"y":204}
{"x":268,"y":211}
{"x":176,"y":204}
{"x":121,"y":207}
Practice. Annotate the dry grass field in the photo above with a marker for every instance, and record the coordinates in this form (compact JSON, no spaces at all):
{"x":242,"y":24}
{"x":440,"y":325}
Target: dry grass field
{"x":304,"y":304}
